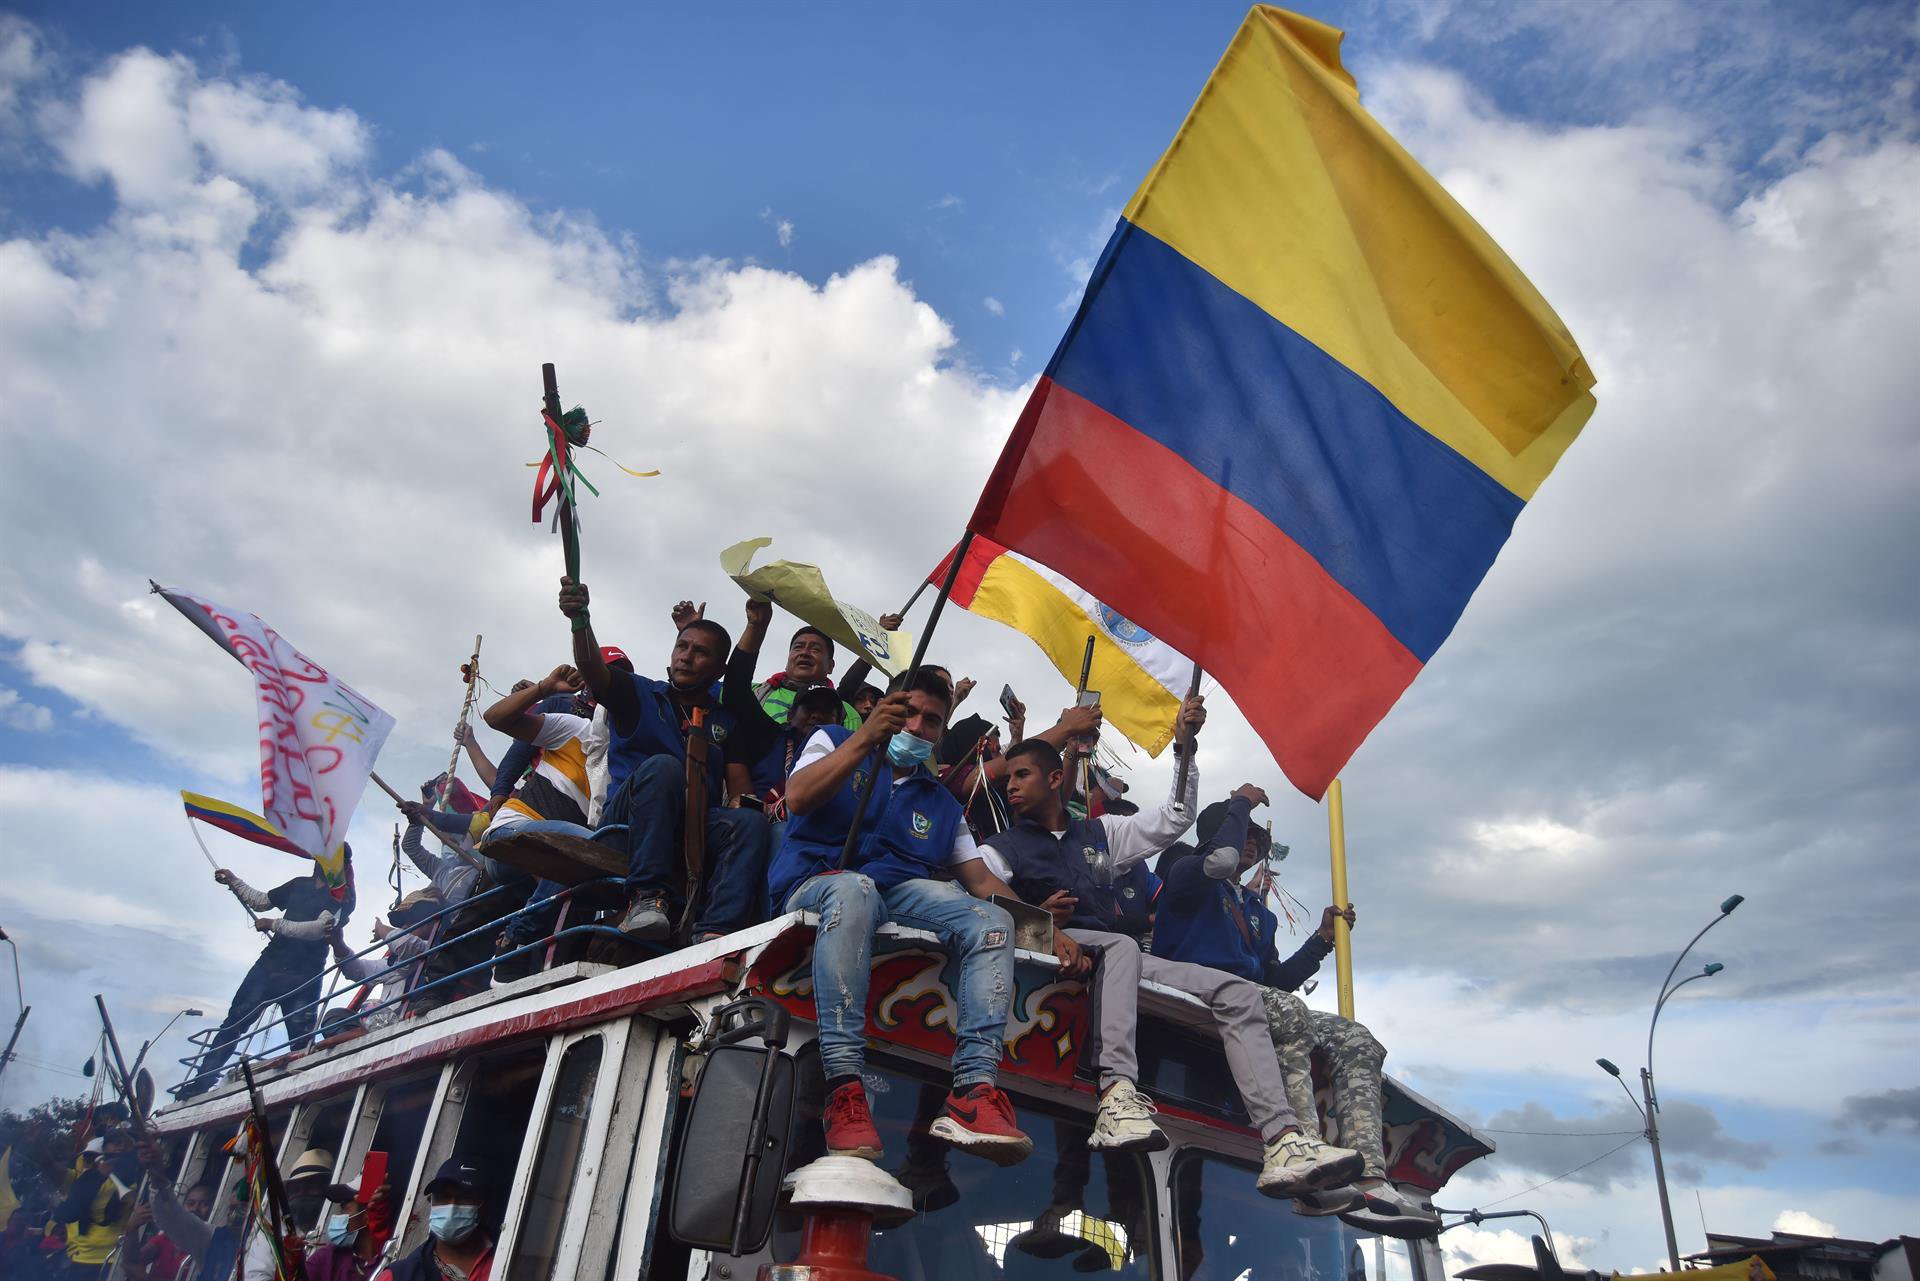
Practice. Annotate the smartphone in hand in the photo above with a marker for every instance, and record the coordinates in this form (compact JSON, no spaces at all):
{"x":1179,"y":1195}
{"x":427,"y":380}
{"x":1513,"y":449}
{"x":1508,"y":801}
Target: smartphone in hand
{"x":1007,"y":700}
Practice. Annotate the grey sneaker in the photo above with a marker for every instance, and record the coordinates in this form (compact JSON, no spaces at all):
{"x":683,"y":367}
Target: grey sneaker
{"x":1124,"y":1121}
{"x":1392,"y":1213}
{"x":1298,"y":1162}
{"x":646,"y":920}
{"x":1326,"y":1201}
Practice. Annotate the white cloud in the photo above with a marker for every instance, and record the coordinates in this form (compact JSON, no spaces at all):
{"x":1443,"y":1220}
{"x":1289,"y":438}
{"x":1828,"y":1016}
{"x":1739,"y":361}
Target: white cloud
{"x":782,"y":227}
{"x":1468,"y":1246}
{"x":17,"y":713}
{"x":1803,"y":1224}
{"x":157,"y":131}
{"x":946,"y":203}
{"x":994,"y":306}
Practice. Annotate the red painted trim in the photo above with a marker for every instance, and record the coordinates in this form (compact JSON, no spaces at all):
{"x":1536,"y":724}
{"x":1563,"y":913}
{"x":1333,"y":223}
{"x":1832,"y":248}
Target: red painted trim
{"x":1115,"y":512}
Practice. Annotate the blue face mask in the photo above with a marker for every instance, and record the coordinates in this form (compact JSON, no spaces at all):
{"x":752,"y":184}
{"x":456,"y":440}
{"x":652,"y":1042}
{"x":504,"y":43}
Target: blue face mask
{"x":340,"y":1229}
{"x":453,"y":1223}
{"x":906,"y":751}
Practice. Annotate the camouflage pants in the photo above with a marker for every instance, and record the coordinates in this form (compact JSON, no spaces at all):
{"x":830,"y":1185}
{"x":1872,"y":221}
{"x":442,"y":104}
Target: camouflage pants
{"x":1355,"y":1058}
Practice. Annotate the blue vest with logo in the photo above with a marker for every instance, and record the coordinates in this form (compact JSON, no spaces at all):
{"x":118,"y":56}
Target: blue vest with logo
{"x":1133,"y":892}
{"x":656,"y":732}
{"x":1200,"y":929}
{"x":907,"y":833}
{"x":1043,"y":863}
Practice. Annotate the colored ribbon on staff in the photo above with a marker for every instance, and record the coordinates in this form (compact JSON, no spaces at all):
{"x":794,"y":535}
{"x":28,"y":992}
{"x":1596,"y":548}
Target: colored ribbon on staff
{"x":557,"y":466}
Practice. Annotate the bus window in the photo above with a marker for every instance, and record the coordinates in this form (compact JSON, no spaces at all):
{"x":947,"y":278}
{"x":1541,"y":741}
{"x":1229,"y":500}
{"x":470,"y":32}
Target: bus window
{"x":493,"y":1124}
{"x":557,"y":1160}
{"x":329,"y":1124}
{"x":1224,"y":1230}
{"x":1063,"y":1212}
{"x":403,"y":1120}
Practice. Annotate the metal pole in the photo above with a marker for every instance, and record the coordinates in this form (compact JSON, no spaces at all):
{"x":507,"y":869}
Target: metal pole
{"x":1342,"y":941}
{"x":1659,"y":1168}
{"x":1185,"y":740}
{"x":913,"y":670}
{"x":6,"y":1056}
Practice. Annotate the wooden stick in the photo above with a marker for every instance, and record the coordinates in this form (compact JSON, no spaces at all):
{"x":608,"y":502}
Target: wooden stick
{"x":569,"y":532}
{"x":466,"y":708}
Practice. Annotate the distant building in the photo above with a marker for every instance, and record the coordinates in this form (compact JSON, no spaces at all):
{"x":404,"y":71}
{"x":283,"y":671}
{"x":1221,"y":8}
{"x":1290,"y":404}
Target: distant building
{"x":1802,"y":1258}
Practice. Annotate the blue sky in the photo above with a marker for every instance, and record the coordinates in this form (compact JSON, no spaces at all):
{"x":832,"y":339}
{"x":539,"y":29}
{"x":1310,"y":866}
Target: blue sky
{"x":783,"y":249}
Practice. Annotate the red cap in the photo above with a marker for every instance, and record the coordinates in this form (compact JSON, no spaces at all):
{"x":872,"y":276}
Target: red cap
{"x":613,"y":655}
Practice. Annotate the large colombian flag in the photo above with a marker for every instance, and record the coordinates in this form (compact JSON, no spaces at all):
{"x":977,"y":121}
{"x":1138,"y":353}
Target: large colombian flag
{"x":1303,"y":400}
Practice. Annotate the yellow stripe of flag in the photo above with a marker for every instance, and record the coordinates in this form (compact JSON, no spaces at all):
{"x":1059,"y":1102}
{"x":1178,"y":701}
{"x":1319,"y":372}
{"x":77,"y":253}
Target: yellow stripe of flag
{"x":1059,"y":618}
{"x":1292,"y":213}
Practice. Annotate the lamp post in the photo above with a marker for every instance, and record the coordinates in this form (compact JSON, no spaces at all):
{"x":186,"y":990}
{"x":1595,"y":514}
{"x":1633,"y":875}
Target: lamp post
{"x":6,"y":1055}
{"x":1651,"y":1112}
{"x":183,"y":1014}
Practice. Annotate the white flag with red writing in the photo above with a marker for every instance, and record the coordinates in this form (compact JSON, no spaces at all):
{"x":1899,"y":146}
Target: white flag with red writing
{"x":318,"y":738}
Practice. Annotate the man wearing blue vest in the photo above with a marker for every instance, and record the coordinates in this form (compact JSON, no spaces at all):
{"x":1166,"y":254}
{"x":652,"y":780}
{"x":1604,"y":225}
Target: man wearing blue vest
{"x":1073,"y":864}
{"x":912,"y":838}
{"x":1208,"y":917}
{"x":648,"y":725}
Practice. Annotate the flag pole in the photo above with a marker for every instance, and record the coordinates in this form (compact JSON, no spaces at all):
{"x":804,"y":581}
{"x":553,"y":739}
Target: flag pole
{"x":913,"y":670}
{"x":569,"y":533}
{"x":466,"y":709}
{"x":1342,"y":940}
{"x":1186,"y":740}
{"x":195,"y":830}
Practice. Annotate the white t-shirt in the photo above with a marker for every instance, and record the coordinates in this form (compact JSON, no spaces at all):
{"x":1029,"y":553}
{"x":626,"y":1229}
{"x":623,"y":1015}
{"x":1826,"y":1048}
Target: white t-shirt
{"x":819,"y":747}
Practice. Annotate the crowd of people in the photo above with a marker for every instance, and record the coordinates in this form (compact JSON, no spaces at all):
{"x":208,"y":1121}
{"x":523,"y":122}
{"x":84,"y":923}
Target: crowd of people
{"x":102,"y":1223}
{"x":862,"y":806}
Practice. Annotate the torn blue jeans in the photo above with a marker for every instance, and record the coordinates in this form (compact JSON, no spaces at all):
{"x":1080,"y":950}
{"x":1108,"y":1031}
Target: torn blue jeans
{"x":976,"y":933}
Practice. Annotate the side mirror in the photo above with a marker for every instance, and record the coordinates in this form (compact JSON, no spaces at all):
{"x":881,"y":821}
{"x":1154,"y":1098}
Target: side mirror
{"x":733,"y":1146}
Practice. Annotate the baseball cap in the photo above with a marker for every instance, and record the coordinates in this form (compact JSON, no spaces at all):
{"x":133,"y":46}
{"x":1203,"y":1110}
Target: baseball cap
{"x":614,"y":656}
{"x":459,"y":1173}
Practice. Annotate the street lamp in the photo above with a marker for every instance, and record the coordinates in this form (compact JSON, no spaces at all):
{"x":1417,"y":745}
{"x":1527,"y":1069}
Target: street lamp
{"x":142,"y":1057}
{"x":1651,"y":1112}
{"x":6,"y":1055}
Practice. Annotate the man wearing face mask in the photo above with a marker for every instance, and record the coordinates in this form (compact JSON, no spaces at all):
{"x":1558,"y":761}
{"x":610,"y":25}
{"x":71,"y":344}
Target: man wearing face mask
{"x":649,"y":722}
{"x":912,"y":835}
{"x":355,"y":1227}
{"x":459,"y":1244}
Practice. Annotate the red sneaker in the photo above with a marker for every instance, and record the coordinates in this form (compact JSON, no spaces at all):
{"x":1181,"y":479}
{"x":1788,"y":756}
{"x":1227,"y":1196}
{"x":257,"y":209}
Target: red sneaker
{"x":849,"y":1124}
{"x":980,"y":1121}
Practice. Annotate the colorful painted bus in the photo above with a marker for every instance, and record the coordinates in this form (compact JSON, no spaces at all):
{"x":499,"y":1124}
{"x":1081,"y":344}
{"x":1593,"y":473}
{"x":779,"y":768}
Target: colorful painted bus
{"x":616,"y":1110}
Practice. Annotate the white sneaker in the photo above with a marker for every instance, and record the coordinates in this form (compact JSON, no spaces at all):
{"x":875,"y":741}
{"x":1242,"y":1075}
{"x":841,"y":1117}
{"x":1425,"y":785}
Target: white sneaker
{"x":1392,"y":1213}
{"x":1298,"y":1162}
{"x":1125,"y":1121}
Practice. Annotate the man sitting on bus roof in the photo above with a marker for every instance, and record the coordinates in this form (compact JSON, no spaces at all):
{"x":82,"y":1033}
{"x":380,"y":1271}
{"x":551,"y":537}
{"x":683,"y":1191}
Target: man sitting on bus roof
{"x":1208,"y":917}
{"x":649,"y":723}
{"x":1071,"y":864}
{"x":911,"y":834}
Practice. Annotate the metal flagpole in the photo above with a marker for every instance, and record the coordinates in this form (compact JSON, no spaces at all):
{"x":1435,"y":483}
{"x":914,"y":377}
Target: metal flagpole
{"x":1342,"y":941}
{"x":913,"y":670}
{"x":195,"y":830}
{"x":1184,"y":739}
